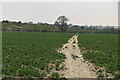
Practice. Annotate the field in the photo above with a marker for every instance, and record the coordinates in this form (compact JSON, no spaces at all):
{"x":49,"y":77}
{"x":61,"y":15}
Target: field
{"x":33,"y":54}
{"x":101,"y":50}
{"x":29,"y":54}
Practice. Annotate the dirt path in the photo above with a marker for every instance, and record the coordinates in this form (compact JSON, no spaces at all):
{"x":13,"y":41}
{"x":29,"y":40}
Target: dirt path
{"x":75,"y":63}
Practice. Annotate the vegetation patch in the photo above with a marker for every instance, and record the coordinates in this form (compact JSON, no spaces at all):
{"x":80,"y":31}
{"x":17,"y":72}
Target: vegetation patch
{"x":28,"y":54}
{"x":101,"y":49}
{"x":74,"y":57}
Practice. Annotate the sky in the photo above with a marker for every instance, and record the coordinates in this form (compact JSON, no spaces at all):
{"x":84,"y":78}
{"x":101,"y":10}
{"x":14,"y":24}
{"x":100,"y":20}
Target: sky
{"x":81,"y":13}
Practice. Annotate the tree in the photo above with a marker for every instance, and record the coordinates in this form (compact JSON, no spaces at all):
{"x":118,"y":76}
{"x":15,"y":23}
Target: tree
{"x":62,"y":23}
{"x":19,"y":23}
{"x":5,"y":21}
{"x":56,"y":23}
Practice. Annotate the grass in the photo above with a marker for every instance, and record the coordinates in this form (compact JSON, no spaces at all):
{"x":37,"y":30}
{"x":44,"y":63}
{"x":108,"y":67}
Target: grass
{"x":28,"y":54}
{"x":101,"y":49}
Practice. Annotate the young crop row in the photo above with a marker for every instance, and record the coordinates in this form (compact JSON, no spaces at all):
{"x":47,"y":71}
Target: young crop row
{"x":101,"y":49}
{"x":30,"y":54}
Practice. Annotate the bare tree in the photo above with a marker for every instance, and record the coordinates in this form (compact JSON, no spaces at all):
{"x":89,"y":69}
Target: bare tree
{"x":62,"y":23}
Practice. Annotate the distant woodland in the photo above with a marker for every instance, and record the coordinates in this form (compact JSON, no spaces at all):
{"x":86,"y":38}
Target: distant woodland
{"x":45,"y":27}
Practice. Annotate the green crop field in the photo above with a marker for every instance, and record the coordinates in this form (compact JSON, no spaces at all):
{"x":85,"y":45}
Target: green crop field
{"x":33,"y":54}
{"x":28,"y":54}
{"x":101,"y":49}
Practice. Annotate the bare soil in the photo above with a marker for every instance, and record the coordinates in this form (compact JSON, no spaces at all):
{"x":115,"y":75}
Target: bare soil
{"x":76,"y":66}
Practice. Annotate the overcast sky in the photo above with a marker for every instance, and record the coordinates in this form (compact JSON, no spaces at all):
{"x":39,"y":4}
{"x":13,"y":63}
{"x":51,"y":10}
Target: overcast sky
{"x":90,"y":13}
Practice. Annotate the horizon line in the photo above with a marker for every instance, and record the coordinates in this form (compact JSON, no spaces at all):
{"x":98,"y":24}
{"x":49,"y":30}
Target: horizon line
{"x":53,"y":23}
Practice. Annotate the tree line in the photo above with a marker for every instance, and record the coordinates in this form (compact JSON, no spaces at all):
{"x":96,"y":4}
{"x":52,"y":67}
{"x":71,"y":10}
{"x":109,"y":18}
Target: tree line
{"x":60,"y":25}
